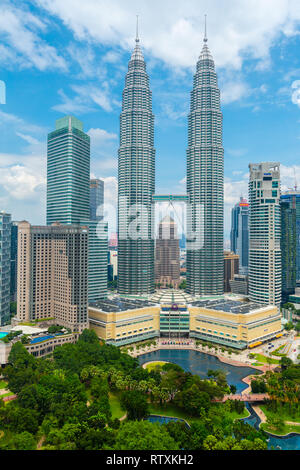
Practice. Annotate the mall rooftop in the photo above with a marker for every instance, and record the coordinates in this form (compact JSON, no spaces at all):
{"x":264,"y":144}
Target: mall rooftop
{"x":230,"y":306}
{"x":120,"y":304}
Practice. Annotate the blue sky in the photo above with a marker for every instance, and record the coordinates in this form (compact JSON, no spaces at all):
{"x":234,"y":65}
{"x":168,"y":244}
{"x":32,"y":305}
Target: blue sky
{"x":70,"y":57}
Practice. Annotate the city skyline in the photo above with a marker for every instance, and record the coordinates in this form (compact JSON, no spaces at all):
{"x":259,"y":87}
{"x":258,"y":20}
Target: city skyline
{"x":258,"y":81}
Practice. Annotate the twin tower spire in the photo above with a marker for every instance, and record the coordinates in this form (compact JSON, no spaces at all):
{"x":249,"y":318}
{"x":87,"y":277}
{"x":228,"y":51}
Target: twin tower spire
{"x":136,"y":178}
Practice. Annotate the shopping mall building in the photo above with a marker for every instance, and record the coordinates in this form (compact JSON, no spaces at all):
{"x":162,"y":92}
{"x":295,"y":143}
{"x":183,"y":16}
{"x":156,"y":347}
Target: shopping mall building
{"x":223,"y":320}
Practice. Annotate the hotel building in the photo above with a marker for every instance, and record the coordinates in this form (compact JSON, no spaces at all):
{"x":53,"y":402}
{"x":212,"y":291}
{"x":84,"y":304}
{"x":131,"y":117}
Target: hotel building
{"x":52,"y":274}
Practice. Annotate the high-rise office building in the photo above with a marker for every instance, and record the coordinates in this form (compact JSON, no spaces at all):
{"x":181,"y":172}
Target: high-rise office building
{"x":239,"y":235}
{"x":293,"y":196}
{"x":136,"y":176}
{"x":97,"y":259}
{"x":96,"y":199}
{"x":68,"y":194}
{"x":5,"y":235}
{"x":68,"y":173}
{"x":167,"y":254}
{"x":13,"y":261}
{"x":288,"y":246}
{"x":52,"y":275}
{"x":205,"y":183}
{"x":231,"y":267}
{"x":264,"y":233}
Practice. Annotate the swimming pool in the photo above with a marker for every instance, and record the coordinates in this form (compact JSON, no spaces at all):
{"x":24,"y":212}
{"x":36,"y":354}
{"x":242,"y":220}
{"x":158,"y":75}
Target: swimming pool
{"x":3,"y":334}
{"x":40,"y":339}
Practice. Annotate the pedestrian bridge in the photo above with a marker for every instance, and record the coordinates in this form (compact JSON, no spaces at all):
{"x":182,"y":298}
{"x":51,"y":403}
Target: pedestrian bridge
{"x":250,"y":397}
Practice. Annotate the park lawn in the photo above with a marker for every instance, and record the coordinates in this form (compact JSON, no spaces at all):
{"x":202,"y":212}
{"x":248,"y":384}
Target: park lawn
{"x":285,"y":416}
{"x":175,"y":412}
{"x":115,"y":406}
{"x":3,"y":384}
{"x":153,"y":365}
{"x":286,"y":429}
{"x":263,"y":359}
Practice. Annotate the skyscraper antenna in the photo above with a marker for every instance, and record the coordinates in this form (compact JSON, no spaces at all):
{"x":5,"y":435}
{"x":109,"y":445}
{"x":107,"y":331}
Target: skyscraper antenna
{"x":205,"y":29}
{"x":137,"y":29}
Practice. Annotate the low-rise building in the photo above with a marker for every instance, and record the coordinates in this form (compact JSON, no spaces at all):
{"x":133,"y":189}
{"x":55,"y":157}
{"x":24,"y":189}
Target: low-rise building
{"x":233,"y":323}
{"x":40,"y":342}
{"x":122,"y":321}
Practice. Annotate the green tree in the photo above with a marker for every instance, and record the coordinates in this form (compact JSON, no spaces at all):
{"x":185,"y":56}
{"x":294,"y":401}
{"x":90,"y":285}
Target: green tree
{"x":143,"y":435}
{"x":23,"y":441}
{"x":136,"y":405}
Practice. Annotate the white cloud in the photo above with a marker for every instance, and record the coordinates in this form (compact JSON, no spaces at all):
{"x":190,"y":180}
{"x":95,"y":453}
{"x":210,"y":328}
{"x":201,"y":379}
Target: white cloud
{"x":19,"y":31}
{"x":28,"y":138}
{"x":101,"y":135}
{"x":234,"y":91}
{"x":290,"y":177}
{"x":11,"y":120}
{"x":85,"y":99}
{"x":22,"y":182}
{"x":75,"y":105}
{"x":296,"y":92}
{"x":172,"y":30}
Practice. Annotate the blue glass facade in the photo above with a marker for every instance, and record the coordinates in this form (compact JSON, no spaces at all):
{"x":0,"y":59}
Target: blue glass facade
{"x":293,"y":197}
{"x":239,"y":235}
{"x":5,"y":235}
{"x":96,"y":199}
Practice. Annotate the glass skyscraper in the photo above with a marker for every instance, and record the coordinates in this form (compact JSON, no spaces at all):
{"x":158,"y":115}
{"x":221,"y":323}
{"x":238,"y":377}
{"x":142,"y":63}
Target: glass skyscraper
{"x":96,"y":199}
{"x":293,"y":196}
{"x":5,"y":234}
{"x":68,"y":195}
{"x":68,"y":172}
{"x":289,"y":237}
{"x":239,"y":235}
{"x":13,"y":260}
{"x":264,"y":233}
{"x":205,"y":183}
{"x":136,"y":176}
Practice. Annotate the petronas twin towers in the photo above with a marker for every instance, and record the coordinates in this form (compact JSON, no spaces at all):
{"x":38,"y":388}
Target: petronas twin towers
{"x":205,"y":182}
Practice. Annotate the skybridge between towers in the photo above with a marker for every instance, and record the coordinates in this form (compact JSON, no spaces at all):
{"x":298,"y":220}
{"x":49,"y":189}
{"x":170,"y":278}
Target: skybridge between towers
{"x":170,"y":198}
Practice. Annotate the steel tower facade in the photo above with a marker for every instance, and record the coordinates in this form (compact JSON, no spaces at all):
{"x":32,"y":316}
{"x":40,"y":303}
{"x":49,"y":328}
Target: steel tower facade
{"x":136,"y":177}
{"x":205,"y":182}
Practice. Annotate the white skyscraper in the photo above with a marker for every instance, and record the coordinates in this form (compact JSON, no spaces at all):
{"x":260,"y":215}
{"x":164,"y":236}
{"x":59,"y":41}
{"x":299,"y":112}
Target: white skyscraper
{"x":264,"y":233}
